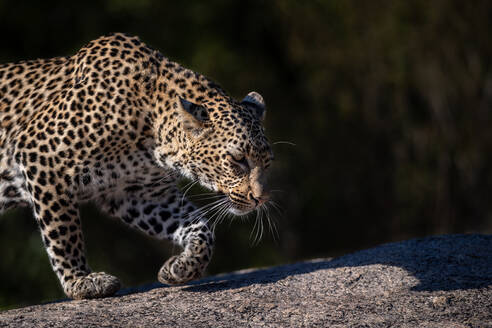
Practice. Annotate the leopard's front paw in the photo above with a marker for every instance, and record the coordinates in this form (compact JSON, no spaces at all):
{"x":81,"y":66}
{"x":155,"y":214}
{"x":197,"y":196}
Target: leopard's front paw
{"x":94,"y":285}
{"x":178,"y":270}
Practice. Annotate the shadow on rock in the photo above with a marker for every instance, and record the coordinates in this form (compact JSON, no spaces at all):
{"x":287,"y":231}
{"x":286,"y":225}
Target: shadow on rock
{"x":450,"y":262}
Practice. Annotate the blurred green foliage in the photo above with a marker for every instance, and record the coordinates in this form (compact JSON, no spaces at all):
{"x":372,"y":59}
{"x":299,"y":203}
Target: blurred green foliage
{"x":388,"y":104}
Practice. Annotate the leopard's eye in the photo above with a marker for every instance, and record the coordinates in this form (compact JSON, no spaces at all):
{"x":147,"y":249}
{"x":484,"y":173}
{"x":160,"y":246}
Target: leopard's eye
{"x":241,"y":162}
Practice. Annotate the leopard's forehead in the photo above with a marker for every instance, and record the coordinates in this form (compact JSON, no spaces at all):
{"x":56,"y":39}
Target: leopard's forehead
{"x":235,"y":120}
{"x":237,"y":124}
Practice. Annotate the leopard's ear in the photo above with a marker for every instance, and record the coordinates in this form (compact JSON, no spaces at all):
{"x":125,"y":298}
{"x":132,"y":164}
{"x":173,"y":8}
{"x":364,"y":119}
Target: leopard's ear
{"x":255,"y":101}
{"x":192,"y":125}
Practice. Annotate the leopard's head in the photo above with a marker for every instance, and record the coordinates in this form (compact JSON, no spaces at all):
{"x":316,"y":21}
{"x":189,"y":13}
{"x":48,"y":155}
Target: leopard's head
{"x":221,"y":144}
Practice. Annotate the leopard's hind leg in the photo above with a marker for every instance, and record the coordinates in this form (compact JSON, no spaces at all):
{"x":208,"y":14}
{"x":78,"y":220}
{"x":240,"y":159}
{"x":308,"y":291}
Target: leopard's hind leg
{"x":13,"y":189}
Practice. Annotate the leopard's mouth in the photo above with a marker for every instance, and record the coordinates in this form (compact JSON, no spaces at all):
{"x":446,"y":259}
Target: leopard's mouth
{"x":241,"y":205}
{"x":236,"y":205}
{"x":238,"y":211}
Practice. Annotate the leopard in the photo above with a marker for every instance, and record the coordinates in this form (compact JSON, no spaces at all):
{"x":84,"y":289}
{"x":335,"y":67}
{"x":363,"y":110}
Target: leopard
{"x":119,"y":125}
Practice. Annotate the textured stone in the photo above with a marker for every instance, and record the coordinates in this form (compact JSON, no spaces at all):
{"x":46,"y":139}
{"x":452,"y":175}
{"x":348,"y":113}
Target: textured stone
{"x":443,"y":281}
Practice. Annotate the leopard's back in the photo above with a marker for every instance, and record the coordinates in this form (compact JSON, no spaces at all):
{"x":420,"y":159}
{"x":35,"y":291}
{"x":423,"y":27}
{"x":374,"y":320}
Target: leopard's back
{"x":27,"y":86}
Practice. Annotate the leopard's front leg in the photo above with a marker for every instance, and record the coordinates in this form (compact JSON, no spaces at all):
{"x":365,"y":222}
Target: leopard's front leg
{"x":166,"y":215}
{"x":58,"y":218}
{"x":193,"y":260}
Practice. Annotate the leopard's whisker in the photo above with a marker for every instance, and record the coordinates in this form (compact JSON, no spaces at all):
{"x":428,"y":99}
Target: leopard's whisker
{"x":220,"y":214}
{"x":262,"y":227}
{"x":257,"y":228}
{"x":284,"y":143}
{"x":190,"y":185}
{"x":215,"y":209}
{"x":276,"y":206}
{"x":202,"y":211}
{"x":271,"y":223}
{"x":212,"y":210}
{"x":162,"y":179}
{"x":224,"y":213}
{"x":259,"y":219}
{"x":200,"y":197}
{"x":254,"y":226}
{"x":207,"y":194}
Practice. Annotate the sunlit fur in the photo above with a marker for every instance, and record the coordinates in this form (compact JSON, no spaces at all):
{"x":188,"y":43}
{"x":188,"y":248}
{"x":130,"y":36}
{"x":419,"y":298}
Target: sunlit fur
{"x":117,"y":123}
{"x":216,"y":141}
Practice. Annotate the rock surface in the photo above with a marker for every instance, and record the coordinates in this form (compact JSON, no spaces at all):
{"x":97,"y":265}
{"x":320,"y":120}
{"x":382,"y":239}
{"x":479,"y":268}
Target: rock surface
{"x":443,"y":281}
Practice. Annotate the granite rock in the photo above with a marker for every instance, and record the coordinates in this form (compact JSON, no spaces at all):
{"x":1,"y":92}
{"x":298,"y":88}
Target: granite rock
{"x":441,"y":281}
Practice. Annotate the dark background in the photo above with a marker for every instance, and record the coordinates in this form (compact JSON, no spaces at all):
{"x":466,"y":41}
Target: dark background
{"x":388,"y":104}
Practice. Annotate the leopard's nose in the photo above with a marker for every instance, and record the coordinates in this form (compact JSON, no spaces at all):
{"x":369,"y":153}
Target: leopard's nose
{"x":258,"y":200}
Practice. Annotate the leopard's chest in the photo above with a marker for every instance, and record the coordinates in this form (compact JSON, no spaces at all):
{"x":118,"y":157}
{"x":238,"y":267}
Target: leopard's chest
{"x":120,"y":179}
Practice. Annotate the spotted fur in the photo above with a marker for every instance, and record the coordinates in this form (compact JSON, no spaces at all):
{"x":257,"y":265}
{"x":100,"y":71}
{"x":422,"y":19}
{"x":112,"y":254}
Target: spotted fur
{"x":118,"y":124}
